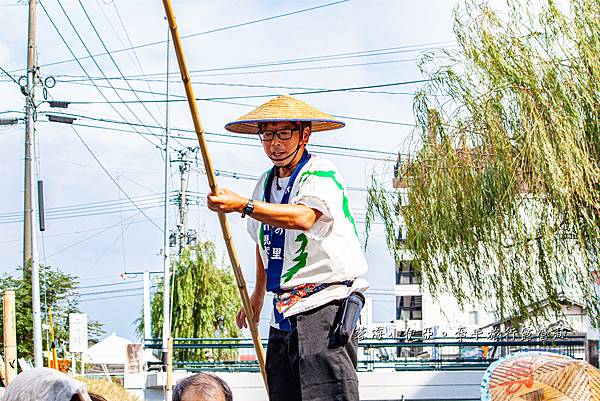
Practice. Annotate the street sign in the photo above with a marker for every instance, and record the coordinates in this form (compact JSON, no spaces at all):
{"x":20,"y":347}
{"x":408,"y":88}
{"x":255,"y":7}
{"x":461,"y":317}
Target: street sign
{"x":78,"y":333}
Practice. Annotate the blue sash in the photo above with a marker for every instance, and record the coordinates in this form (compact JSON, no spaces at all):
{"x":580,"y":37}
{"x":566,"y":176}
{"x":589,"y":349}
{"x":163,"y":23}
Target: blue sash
{"x":274,"y":240}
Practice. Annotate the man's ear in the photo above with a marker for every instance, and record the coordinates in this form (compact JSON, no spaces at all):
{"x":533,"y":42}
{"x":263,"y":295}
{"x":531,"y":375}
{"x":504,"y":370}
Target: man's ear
{"x":306,"y":134}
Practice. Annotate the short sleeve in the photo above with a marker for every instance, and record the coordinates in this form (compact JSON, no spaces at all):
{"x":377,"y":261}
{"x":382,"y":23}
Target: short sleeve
{"x":321,"y":187}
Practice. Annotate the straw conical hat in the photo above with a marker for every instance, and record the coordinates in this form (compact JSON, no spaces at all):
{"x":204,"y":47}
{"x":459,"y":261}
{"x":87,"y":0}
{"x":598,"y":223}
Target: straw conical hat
{"x":537,"y":375}
{"x":283,"y":108}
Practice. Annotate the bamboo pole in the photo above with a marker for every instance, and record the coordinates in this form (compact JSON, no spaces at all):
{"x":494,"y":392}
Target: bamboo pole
{"x":212,"y":182}
{"x":10,"y":335}
{"x":169,"y":385}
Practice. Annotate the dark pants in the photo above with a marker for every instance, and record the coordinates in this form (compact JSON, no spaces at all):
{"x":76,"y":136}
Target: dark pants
{"x":306,"y":364}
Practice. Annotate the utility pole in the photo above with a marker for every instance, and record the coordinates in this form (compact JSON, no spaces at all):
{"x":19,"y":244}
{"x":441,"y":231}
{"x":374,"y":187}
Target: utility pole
{"x":183,"y":168}
{"x":166,"y":331}
{"x":30,"y":255}
{"x":183,"y":236}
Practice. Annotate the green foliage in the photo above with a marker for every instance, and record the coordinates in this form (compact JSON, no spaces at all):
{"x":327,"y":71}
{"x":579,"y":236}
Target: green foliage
{"x":503,"y":202}
{"x":205,"y":302}
{"x":58,"y":291}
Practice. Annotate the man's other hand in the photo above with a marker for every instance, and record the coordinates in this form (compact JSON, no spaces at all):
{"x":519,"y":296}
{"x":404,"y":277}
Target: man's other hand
{"x":256,"y":301}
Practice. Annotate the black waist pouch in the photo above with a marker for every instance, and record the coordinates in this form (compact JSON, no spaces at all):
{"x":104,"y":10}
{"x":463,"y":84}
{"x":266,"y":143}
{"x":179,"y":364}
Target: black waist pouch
{"x":347,"y":317}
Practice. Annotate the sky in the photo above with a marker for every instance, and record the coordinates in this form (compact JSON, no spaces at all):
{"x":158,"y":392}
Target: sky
{"x":233,"y":49}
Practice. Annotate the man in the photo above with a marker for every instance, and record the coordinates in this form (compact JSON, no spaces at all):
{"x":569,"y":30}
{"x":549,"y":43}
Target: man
{"x":308,"y":254}
{"x":202,"y":387}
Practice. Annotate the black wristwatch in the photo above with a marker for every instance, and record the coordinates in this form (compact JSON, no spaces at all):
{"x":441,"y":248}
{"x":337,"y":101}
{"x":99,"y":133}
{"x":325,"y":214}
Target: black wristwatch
{"x":248,"y":209}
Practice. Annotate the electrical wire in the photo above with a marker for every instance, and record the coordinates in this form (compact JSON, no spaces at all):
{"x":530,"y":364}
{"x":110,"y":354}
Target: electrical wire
{"x":111,"y":298}
{"x":83,"y":210}
{"x":81,"y":66}
{"x":224,"y":135}
{"x":390,"y":159}
{"x":10,"y":76}
{"x":256,"y":21}
{"x":87,"y":238}
{"x":113,"y":180}
{"x":242,"y":85}
{"x":135,"y":59}
{"x":114,"y":62}
{"x":110,"y":284}
{"x":312,"y":92}
{"x":109,"y":292}
{"x":312,"y":59}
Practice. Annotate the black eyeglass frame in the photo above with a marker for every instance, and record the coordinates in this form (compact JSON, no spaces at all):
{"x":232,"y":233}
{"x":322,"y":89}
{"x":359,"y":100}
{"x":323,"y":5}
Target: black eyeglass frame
{"x":282,"y":134}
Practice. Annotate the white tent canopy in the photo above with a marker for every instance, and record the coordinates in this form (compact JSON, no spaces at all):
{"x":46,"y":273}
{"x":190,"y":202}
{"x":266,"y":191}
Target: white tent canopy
{"x":110,"y":351}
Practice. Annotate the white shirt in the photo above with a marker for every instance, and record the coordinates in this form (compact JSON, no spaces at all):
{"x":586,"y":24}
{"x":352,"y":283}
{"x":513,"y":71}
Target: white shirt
{"x":330,"y":250}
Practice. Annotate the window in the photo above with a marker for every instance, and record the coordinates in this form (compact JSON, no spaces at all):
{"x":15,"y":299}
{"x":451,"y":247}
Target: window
{"x":473,"y":318}
{"x":409,"y":307}
{"x":406,"y":274}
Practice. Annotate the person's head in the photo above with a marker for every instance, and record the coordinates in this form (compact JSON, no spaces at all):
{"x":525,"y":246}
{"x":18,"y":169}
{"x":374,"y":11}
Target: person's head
{"x":294,"y":119}
{"x":284,"y":141}
{"x":202,"y":387}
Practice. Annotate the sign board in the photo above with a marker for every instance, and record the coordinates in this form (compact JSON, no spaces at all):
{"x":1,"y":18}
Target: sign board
{"x":78,"y":332}
{"x":134,"y":362}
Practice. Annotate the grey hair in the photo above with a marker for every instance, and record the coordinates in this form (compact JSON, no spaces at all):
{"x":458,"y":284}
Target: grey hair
{"x":209,"y":387}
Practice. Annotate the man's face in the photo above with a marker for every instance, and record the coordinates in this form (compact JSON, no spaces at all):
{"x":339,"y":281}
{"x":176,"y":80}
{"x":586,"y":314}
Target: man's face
{"x":278,"y":149}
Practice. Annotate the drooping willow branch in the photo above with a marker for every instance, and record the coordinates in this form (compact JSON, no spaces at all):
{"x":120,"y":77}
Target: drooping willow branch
{"x":503,"y":194}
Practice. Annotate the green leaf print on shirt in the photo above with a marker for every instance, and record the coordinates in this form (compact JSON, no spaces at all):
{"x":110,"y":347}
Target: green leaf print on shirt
{"x":345,"y":202}
{"x":301,"y":258}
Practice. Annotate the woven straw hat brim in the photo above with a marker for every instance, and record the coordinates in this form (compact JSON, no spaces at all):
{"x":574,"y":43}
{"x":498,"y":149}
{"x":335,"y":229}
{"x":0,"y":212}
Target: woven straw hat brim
{"x":284,"y":108}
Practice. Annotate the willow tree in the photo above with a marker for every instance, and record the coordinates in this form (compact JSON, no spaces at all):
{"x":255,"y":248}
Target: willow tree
{"x":205,"y":301}
{"x":502,"y":205}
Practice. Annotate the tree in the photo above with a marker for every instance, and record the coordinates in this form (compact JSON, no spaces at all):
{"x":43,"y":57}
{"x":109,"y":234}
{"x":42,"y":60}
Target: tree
{"x":58,"y":291}
{"x":205,"y":300}
{"x":503,"y":203}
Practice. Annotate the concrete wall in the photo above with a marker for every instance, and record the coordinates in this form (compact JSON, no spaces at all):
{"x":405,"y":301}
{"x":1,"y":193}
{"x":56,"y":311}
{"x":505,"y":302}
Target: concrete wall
{"x":374,"y":386}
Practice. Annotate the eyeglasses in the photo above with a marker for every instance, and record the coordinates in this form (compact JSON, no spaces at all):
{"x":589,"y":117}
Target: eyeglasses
{"x":283,"y":134}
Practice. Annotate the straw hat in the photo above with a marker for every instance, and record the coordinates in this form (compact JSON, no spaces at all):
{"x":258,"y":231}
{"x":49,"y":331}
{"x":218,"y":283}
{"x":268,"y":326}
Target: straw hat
{"x":283,"y":108}
{"x":538,"y":375}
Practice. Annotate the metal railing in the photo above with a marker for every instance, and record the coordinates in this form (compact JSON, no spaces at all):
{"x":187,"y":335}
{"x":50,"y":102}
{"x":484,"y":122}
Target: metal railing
{"x":445,"y":353}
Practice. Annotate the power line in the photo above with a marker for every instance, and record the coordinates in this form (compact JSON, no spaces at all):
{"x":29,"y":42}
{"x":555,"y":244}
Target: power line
{"x":71,"y":232}
{"x":81,"y":66}
{"x":87,"y":205}
{"x":334,"y":115}
{"x":110,"y":284}
{"x":87,"y":238}
{"x":233,"y":136}
{"x":109,"y":292}
{"x":113,"y":180}
{"x":326,"y":67}
{"x":312,"y":59}
{"x":10,"y":76}
{"x":237,"y":85}
{"x":392,"y":157}
{"x":78,"y":215}
{"x":256,"y":21}
{"x":111,"y":297}
{"x":114,"y":62}
{"x":84,"y":210}
{"x":312,"y":92}
{"x":135,"y":55}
